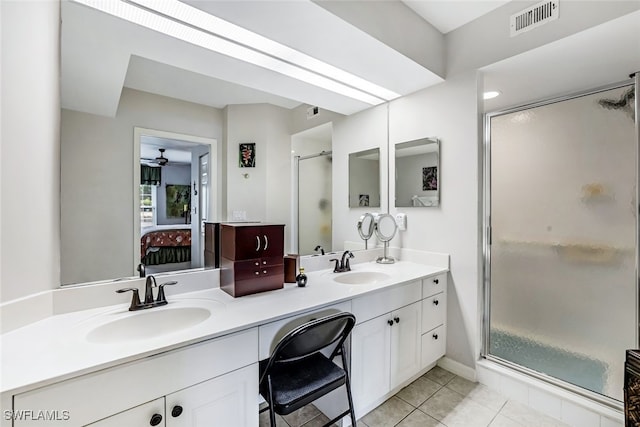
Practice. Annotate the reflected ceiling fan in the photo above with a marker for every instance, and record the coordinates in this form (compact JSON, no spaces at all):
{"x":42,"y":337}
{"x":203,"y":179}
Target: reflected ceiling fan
{"x":160,"y":160}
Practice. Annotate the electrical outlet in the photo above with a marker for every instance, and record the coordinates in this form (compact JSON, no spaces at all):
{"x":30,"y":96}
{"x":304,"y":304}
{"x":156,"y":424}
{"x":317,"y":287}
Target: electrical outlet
{"x":239,"y":215}
{"x":401,"y":221}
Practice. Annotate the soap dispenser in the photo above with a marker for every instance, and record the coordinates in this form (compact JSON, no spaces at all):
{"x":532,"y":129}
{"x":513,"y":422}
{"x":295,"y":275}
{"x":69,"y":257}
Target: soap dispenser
{"x":301,"y":279}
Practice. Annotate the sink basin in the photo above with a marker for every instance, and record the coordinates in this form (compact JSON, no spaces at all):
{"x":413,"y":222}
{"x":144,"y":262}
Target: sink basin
{"x":151,"y":323}
{"x":361,"y":277}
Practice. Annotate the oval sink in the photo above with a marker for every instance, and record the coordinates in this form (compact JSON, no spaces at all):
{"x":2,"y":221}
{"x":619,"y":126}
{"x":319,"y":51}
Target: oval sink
{"x":148,"y":324}
{"x":361,"y":277}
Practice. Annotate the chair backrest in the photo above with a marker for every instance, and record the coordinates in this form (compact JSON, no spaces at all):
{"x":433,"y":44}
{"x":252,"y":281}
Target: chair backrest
{"x":314,"y":336}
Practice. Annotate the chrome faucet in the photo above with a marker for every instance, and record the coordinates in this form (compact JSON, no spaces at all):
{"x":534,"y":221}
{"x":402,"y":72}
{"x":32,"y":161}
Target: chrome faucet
{"x":320,"y":248}
{"x":148,"y":295}
{"x":342,"y":265}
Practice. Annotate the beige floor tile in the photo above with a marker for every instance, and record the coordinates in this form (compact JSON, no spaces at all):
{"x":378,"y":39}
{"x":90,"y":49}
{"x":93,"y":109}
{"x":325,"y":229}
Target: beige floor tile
{"x":469,"y":414}
{"x":478,"y":393}
{"x":302,"y":416}
{"x":528,"y":417}
{"x":388,"y":414}
{"x":319,"y":421}
{"x":442,"y":403}
{"x":264,"y":420}
{"x":419,"y":419}
{"x":439,"y":375}
{"x":418,"y":391}
{"x":502,"y":421}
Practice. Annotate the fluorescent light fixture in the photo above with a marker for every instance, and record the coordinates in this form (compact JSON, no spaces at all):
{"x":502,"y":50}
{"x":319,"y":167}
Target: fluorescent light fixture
{"x":194,"y":26}
{"x":491,"y":94}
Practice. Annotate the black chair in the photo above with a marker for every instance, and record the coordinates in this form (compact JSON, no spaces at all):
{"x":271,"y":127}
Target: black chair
{"x":297,"y":372}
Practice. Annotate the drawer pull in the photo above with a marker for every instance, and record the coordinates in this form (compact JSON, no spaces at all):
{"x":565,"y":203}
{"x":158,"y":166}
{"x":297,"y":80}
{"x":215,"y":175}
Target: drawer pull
{"x":264,"y":262}
{"x":390,"y":322}
{"x":176,"y":411}
{"x":264,"y":271}
{"x":257,"y":273}
{"x":436,"y":302}
{"x":396,"y":319}
{"x":436,"y":281}
{"x":266,"y":242}
{"x":155,"y":419}
{"x":435,"y":336}
{"x":258,"y":243}
{"x":257,"y":263}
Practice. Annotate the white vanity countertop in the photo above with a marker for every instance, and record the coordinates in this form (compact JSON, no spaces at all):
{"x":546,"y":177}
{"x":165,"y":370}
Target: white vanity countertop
{"x":56,"y":348}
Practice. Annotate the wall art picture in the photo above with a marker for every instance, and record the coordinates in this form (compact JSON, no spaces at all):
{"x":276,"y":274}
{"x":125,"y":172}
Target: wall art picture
{"x":248,"y":155}
{"x":363,"y":200}
{"x":178,"y":200}
{"x":430,"y":178}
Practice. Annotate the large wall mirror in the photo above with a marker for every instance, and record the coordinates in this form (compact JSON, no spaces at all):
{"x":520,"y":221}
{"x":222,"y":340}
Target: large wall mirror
{"x":417,"y":173}
{"x":364,"y":178}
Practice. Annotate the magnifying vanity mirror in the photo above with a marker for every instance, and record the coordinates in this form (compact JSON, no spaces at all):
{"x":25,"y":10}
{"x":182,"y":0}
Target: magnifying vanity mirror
{"x":364,"y":178}
{"x":385,"y":229}
{"x":418,"y":173}
{"x":365,"y":228}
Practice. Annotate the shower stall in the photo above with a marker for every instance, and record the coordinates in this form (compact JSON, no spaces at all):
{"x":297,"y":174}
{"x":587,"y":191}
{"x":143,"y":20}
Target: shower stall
{"x":561,"y":246}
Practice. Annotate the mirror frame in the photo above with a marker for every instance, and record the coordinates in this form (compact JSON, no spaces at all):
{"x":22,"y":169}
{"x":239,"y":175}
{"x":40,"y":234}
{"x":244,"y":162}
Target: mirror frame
{"x":413,"y":143}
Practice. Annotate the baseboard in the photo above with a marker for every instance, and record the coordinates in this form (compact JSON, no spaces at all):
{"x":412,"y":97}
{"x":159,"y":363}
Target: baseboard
{"x":457,"y":368}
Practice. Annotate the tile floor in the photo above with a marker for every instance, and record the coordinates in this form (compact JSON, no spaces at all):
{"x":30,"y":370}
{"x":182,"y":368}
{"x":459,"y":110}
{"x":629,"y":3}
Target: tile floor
{"x":436,"y":399}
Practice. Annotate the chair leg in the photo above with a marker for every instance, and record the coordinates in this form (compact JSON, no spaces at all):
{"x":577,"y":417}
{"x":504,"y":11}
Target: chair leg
{"x":348,"y":386}
{"x":272,"y":415}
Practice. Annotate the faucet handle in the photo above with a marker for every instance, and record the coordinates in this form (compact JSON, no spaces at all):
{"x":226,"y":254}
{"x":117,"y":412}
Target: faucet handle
{"x":161,"y":300}
{"x":336,"y":269}
{"x":135,"y":298}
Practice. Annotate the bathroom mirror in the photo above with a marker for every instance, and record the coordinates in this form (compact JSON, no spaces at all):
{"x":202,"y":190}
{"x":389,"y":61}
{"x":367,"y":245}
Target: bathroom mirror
{"x":417,"y":173}
{"x":385,"y":228}
{"x":365,"y":228}
{"x":364,"y":178}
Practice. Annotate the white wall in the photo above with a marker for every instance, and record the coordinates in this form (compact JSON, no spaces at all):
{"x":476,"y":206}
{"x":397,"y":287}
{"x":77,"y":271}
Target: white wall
{"x":30,"y":111}
{"x":97,"y":179}
{"x":448,"y":112}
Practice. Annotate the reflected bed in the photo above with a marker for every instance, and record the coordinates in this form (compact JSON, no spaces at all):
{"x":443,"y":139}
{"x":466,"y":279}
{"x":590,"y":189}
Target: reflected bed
{"x":165,"y":244}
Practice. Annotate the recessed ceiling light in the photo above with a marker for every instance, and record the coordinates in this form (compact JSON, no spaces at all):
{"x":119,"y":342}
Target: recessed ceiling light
{"x":491,"y":94}
{"x":187,"y":23}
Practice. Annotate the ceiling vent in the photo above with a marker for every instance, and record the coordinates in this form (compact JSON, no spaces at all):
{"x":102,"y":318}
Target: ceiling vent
{"x":534,"y":17}
{"x":312,"y":112}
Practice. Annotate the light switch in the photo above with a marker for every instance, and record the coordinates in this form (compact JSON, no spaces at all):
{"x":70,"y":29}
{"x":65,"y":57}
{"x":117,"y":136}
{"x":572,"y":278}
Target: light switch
{"x":401,"y":221}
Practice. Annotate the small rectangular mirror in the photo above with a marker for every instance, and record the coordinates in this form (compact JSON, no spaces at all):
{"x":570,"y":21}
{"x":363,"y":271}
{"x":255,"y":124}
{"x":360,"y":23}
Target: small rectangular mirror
{"x":418,"y":173}
{"x":364,"y":178}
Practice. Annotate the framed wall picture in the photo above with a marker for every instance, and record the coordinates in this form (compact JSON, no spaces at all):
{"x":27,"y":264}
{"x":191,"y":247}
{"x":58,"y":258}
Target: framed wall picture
{"x":178,"y":200}
{"x":430,"y":178}
{"x":247,"y":154}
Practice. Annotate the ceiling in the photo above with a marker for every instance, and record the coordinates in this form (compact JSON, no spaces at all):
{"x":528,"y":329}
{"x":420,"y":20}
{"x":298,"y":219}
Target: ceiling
{"x":102,"y":54}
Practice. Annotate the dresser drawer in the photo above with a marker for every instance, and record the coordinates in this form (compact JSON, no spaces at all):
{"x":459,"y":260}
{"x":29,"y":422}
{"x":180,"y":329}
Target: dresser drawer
{"x":253,"y":272}
{"x":434,"y":311}
{"x":434,"y":285}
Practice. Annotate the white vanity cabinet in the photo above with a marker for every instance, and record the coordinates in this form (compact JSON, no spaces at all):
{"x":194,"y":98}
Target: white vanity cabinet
{"x":214,"y":382}
{"x":434,"y":316}
{"x":385,"y":344}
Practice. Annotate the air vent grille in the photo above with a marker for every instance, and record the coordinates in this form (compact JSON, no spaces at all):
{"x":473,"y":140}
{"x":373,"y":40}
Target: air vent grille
{"x":534,"y":17}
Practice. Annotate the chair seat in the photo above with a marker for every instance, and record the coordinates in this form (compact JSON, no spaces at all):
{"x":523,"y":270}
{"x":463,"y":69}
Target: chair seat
{"x":299,"y":382}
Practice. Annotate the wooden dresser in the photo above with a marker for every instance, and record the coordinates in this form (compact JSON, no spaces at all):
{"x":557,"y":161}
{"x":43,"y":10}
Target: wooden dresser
{"x":251,"y":258}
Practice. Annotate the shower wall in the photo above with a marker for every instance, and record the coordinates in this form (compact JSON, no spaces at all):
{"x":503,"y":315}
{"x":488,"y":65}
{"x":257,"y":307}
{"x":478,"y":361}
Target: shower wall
{"x":562,"y":284}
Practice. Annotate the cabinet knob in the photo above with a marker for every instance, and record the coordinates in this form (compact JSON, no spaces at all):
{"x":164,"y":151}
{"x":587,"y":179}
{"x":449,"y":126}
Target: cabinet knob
{"x":390,"y":322}
{"x":264,"y":262}
{"x":436,"y":302}
{"x":435,"y":336}
{"x":176,"y":411}
{"x":436,"y":281}
{"x":257,"y":273}
{"x":257,"y":263}
{"x":264,"y":271}
{"x":396,"y":319}
{"x":155,"y":419}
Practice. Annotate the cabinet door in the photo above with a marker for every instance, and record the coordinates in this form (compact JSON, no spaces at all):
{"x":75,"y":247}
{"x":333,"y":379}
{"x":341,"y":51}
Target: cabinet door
{"x":272,"y":237}
{"x":151,"y":413}
{"x":370,"y":362}
{"x":230,"y":400}
{"x":406,"y":335}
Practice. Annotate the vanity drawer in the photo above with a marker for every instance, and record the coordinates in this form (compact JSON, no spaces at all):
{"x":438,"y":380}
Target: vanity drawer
{"x":122,"y":387}
{"x":434,"y":345}
{"x":271,"y":333}
{"x":434,"y":311}
{"x":434,"y":285}
{"x":379,"y":303}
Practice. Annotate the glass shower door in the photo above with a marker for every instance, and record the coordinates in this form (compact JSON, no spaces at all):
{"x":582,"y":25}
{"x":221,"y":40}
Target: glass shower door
{"x":562,"y":256}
